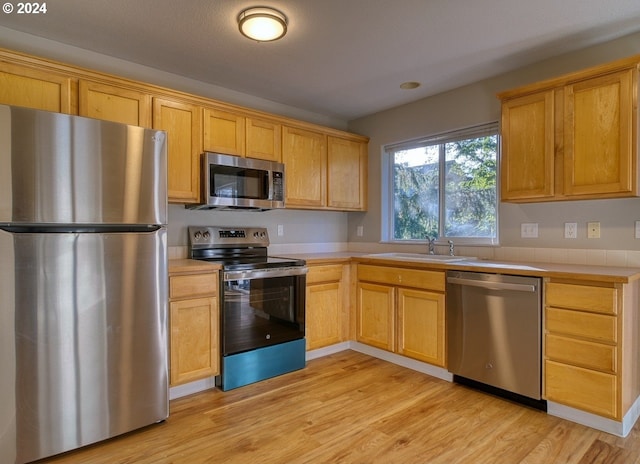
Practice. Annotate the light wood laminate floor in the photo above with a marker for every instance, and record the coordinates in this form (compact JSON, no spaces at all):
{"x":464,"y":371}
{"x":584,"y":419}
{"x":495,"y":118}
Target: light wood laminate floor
{"x":352,"y":408}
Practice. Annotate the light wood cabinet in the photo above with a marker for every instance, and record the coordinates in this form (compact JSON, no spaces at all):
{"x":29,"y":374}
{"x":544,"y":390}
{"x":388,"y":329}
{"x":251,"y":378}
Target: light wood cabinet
{"x":114,"y":103}
{"x":528,"y":154}
{"x":327,"y":305}
{"x":263,"y":139}
{"x":573,"y":137}
{"x":33,"y":88}
{"x":304,"y":154}
{"x":582,"y":349}
{"x":326,"y":168}
{"x":182,"y":122}
{"x":346,"y":174}
{"x":224,"y":132}
{"x":421,"y":328}
{"x":599,"y":145}
{"x":324,"y":172}
{"x":194,"y":327}
{"x":402,"y":310}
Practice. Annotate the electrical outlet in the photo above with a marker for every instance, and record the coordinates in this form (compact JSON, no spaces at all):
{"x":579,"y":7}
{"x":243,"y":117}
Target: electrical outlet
{"x":593,"y":230}
{"x":529,"y":230}
{"x":280,"y":230}
{"x":637,"y":229}
{"x":570,"y":230}
{"x":360,"y":231}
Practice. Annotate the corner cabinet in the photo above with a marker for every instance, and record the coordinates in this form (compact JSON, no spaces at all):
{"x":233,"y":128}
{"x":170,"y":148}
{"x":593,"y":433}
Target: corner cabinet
{"x":194,"y":326}
{"x":324,"y":171}
{"x":573,"y":137}
{"x":402,"y":310}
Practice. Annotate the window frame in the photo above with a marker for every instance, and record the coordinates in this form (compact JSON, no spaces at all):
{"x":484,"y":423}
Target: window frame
{"x":440,"y":139}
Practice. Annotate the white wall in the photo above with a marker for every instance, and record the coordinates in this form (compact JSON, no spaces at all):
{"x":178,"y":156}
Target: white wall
{"x":475,"y":104}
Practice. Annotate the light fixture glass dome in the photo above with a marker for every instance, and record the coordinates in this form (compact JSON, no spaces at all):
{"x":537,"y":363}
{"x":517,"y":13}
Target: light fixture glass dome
{"x":262,"y":24}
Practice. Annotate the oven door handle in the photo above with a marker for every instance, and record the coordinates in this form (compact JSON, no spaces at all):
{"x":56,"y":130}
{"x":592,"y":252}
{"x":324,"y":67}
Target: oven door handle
{"x":250,"y":274}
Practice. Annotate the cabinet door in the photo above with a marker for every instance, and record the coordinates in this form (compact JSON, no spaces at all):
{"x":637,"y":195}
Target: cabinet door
{"x":183,"y":125}
{"x":375,"y":324}
{"x":304,"y":154}
{"x":224,"y":132}
{"x":22,"y":86}
{"x":194,"y":340}
{"x":264,"y":140}
{"x":527,"y":166}
{"x":113,"y":103}
{"x":421,"y":325}
{"x":323,"y":315}
{"x":599,"y":150}
{"x":346,"y":174}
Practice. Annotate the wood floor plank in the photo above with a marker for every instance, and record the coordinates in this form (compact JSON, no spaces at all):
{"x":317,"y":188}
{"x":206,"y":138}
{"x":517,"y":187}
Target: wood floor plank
{"x":351,"y":408}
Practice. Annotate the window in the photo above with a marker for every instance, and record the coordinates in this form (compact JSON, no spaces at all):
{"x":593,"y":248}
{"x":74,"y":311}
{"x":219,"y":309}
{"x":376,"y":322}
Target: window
{"x":444,"y":187}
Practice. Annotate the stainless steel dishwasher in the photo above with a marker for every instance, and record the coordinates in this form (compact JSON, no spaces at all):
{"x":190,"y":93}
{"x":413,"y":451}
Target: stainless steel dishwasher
{"x":494,"y":333}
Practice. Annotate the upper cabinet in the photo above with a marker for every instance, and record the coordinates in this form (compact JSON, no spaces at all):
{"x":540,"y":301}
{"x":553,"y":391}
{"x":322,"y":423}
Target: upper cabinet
{"x":324,"y":171}
{"x":182,"y":122}
{"x":114,"y":103}
{"x":325,"y":168}
{"x":33,"y":88}
{"x":224,"y":132}
{"x":346,"y":174}
{"x":304,"y":154}
{"x":572,"y":138}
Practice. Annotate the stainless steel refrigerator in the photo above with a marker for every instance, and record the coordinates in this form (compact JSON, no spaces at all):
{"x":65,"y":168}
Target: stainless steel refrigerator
{"x":83,"y":281}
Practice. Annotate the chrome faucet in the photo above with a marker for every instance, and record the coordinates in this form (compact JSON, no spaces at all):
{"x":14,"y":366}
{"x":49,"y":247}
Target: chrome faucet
{"x":450,"y":242}
{"x":432,"y":245}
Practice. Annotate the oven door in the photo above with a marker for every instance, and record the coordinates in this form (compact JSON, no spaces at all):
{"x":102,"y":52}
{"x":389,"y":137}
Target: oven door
{"x":262,"y":307}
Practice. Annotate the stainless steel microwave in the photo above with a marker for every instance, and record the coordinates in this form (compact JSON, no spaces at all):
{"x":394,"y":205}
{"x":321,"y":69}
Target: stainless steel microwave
{"x":232,"y":182}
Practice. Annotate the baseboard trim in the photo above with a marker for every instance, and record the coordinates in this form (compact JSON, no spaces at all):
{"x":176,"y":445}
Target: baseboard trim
{"x":620,"y":429}
{"x":403,"y":361}
{"x":192,"y":387}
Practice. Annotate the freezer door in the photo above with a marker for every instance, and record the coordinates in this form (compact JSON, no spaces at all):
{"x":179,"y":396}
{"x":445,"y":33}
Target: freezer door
{"x":62,"y":169}
{"x":83,"y":339}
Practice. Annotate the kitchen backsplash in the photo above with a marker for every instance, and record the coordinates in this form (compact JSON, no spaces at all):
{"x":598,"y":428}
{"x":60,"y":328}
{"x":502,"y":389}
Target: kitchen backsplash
{"x":619,"y":258}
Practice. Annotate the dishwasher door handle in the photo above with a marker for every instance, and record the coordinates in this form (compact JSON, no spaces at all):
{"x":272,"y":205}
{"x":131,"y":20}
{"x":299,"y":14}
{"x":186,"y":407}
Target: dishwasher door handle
{"x":492,"y":285}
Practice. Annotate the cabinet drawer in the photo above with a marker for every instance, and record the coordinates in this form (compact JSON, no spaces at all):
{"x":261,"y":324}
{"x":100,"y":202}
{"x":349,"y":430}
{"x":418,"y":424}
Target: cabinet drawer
{"x":431,"y":280}
{"x":595,"y":326}
{"x":581,"y":353}
{"x":584,"y":297}
{"x":584,"y":389}
{"x":330,"y":273}
{"x":182,"y":286}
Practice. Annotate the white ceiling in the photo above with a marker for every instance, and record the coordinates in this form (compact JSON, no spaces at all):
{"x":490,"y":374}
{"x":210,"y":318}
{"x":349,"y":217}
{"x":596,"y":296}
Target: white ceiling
{"x":341,"y":58}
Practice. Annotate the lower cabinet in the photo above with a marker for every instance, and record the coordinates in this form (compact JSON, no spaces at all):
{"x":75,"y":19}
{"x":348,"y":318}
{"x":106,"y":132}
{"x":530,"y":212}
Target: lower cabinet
{"x":194,"y":327}
{"x":582,"y":347}
{"x":402,"y":310}
{"x":327,"y":305}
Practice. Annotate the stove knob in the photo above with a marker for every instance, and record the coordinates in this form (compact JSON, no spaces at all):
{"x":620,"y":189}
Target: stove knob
{"x":206,"y":235}
{"x":263,"y":234}
{"x":197,"y":235}
{"x":256,"y":234}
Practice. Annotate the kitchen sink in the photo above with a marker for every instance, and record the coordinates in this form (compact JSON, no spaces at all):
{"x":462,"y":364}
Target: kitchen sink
{"x":422,"y":257}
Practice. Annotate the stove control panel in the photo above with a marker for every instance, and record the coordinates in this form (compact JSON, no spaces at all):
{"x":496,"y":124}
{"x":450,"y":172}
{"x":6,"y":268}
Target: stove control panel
{"x":212,"y":236}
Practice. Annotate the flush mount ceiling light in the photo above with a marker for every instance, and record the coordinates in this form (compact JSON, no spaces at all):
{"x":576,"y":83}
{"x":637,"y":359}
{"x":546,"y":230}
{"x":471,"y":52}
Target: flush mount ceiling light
{"x":262,"y":24}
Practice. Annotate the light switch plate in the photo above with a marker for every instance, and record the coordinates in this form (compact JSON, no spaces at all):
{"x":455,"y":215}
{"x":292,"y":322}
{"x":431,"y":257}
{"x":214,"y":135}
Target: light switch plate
{"x":593,"y":230}
{"x":637,"y":229}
